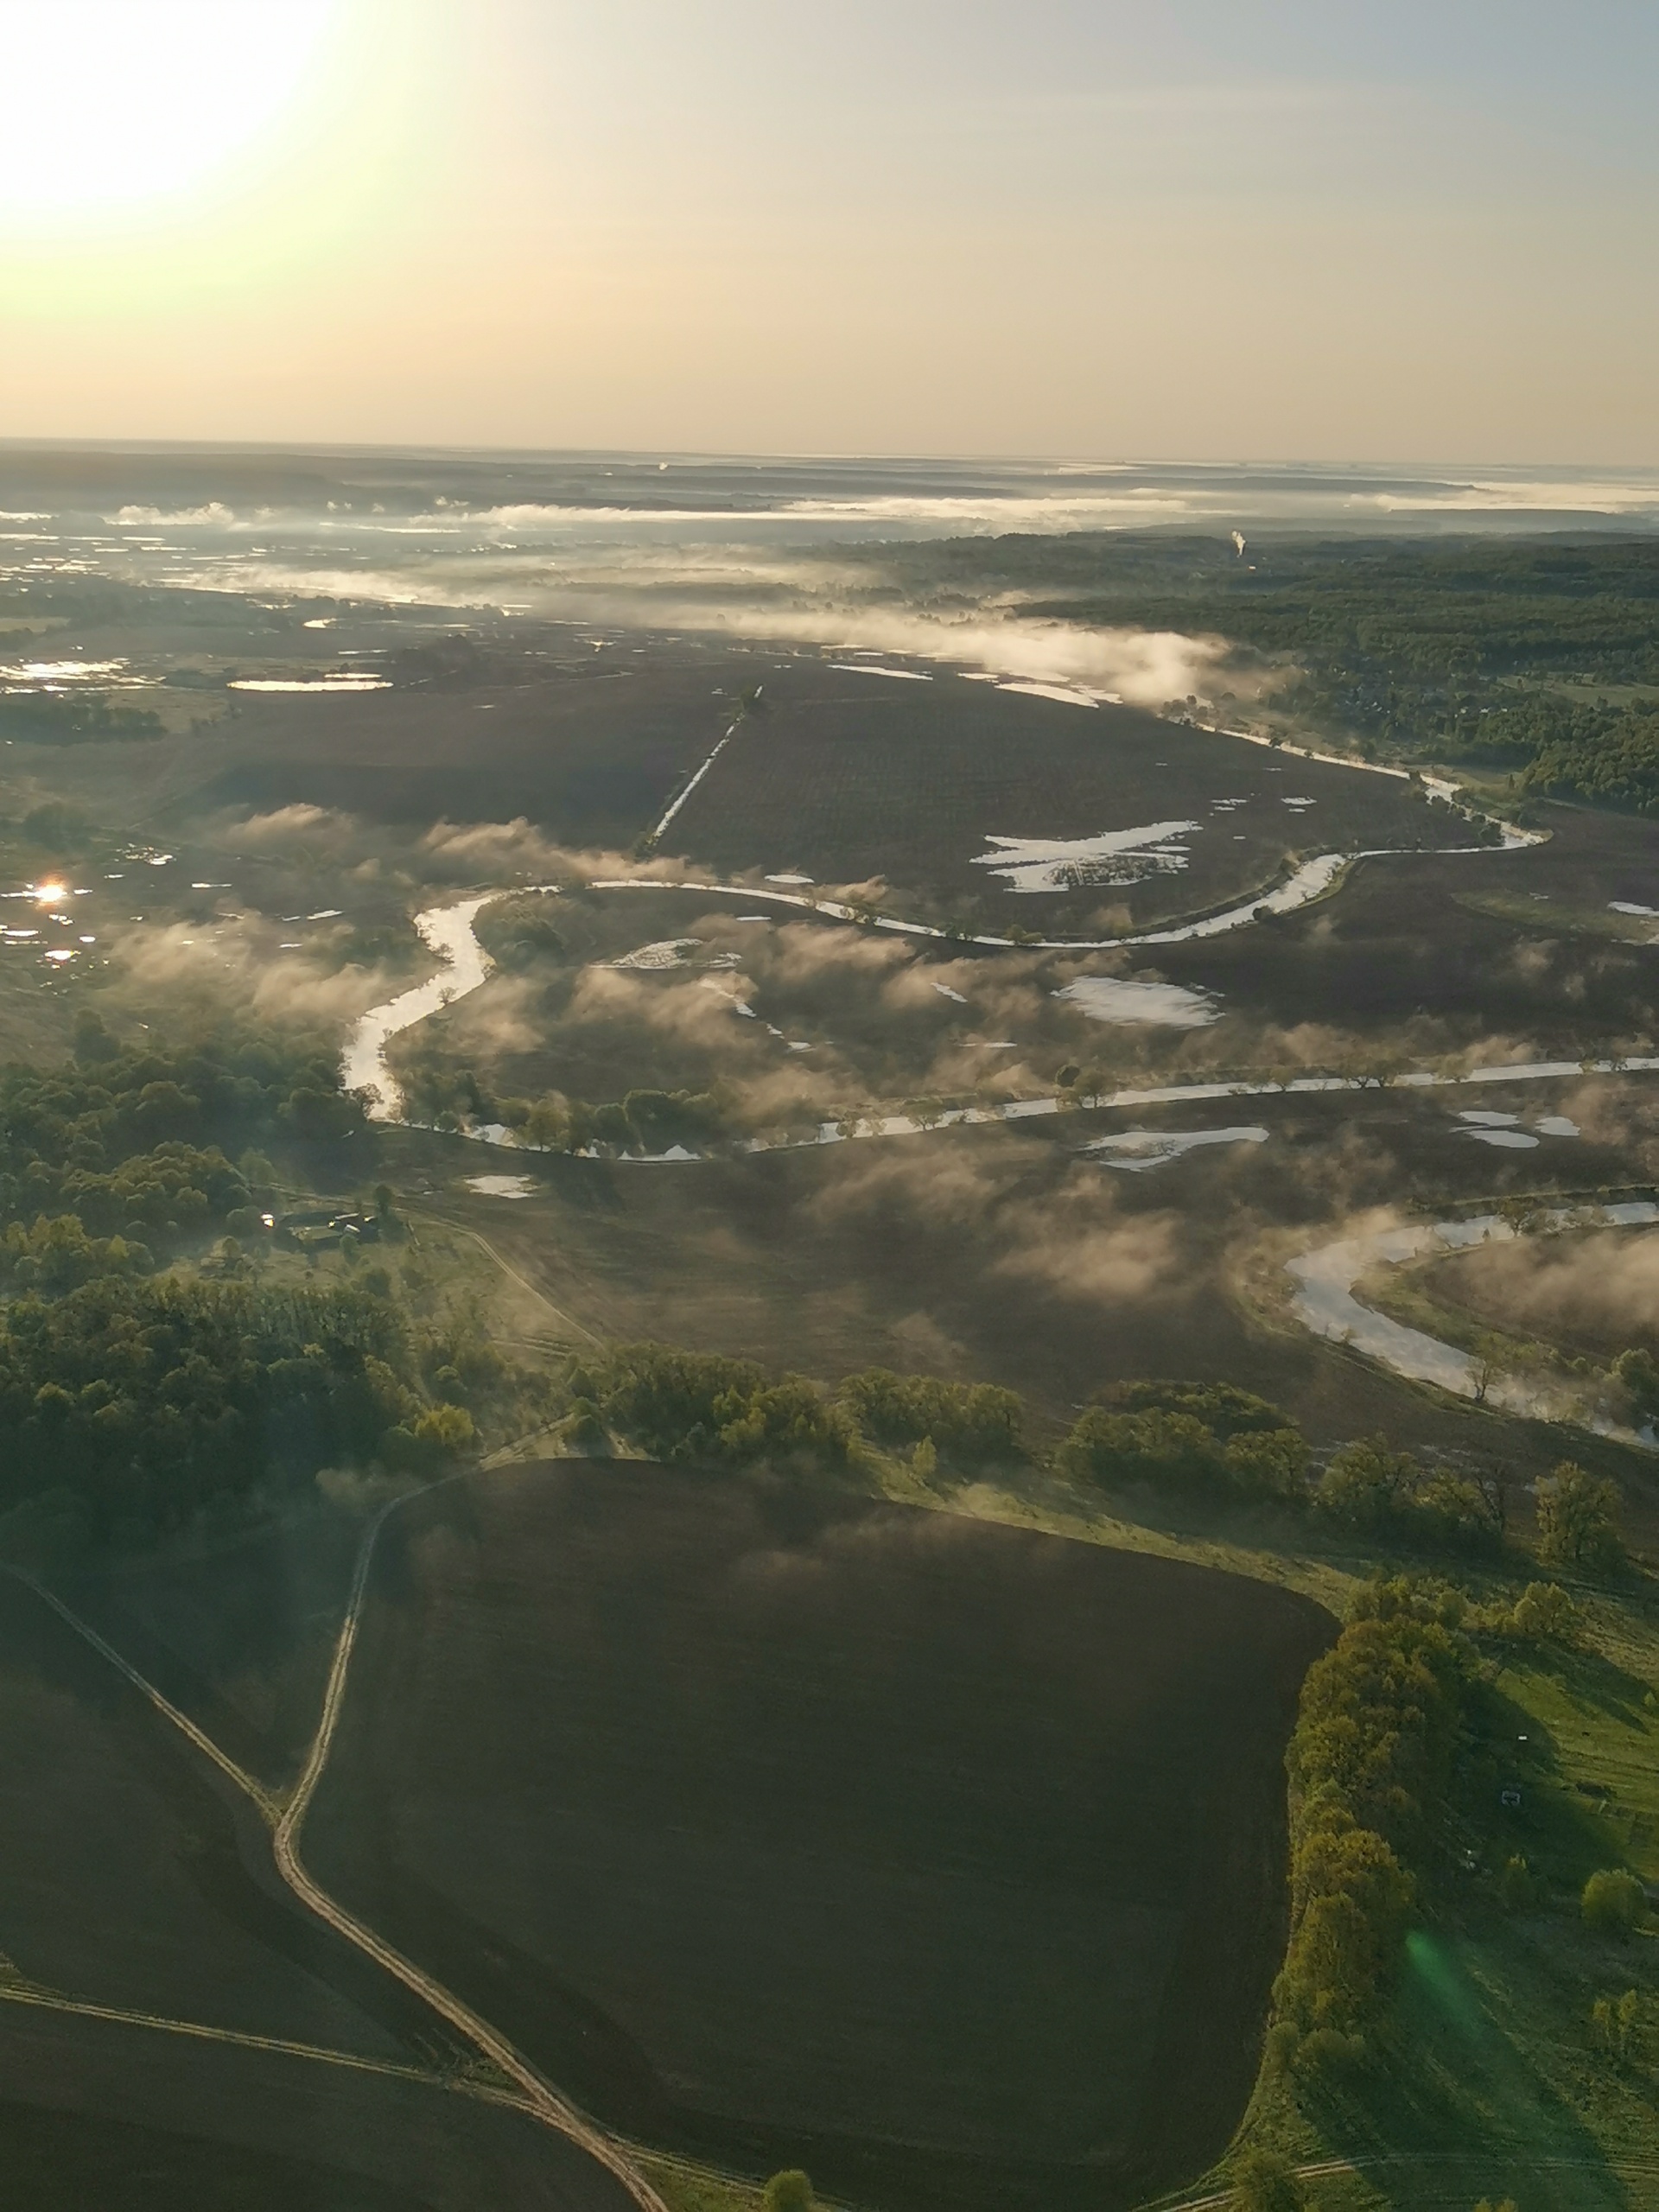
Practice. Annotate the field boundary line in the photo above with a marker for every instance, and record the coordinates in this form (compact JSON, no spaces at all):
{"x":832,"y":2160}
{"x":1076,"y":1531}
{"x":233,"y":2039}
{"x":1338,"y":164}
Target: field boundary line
{"x":204,"y":1743}
{"x":245,"y":2038}
{"x":1322,"y":2169}
{"x":537,"y":2096}
{"x":556,"y":2111}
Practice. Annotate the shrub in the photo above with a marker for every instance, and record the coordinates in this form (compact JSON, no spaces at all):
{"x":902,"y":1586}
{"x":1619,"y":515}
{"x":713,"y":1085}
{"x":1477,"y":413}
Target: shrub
{"x":1615,"y":2024}
{"x":789,"y":2191}
{"x":1614,"y":1903}
{"x":1264,"y":2182}
{"x":1543,"y":1611}
{"x":1519,"y":1889}
{"x":703,"y":1407}
{"x":1578,"y":1521}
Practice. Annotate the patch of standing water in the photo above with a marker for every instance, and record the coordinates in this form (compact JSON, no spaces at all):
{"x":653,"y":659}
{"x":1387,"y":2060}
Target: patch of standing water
{"x":1074,"y":863}
{"x":1505,"y":1129}
{"x":867,"y":668}
{"x":1069,"y":694}
{"x":312,"y":683}
{"x":1324,"y":1302}
{"x":667,"y":952}
{"x":1116,"y":998}
{"x":1136,"y":1150}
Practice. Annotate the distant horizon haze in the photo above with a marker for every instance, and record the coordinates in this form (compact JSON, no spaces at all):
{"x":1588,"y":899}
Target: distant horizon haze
{"x":718,"y":227}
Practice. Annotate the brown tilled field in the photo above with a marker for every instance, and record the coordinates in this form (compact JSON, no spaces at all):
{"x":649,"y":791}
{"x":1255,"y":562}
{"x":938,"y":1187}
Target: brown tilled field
{"x":126,"y":1879}
{"x":107,"y":2116}
{"x":848,"y":777}
{"x":943,"y":1857}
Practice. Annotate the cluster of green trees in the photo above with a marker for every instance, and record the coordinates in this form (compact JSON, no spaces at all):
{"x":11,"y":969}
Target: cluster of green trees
{"x":135,"y":1133}
{"x":130,"y":1406}
{"x":702,"y":1408}
{"x":1456,"y":649}
{"x":131,"y":1401}
{"x":1393,"y":1498}
{"x":1371,"y":1765}
{"x":646,"y":1120}
{"x":120,"y":1155}
{"x":969,"y":1424}
{"x":1200,"y":1440}
{"x":1186,"y":1437}
{"x":1211,"y":1439}
{"x":517,"y":932}
{"x":72,"y":718}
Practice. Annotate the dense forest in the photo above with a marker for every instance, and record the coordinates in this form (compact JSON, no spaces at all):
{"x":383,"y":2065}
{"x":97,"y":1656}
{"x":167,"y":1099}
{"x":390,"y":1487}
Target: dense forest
{"x":134,"y":1396}
{"x":1505,"y":654}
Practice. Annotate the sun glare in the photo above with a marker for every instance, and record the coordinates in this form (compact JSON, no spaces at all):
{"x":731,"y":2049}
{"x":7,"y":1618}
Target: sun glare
{"x":116,"y":103}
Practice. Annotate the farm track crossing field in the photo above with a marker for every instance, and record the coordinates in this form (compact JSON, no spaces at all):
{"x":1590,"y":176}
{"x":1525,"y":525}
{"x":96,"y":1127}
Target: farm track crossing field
{"x":238,"y":1632}
{"x":590,"y":754}
{"x":101,"y":2116}
{"x":126,"y":1879}
{"x":774,"y":1823}
{"x":846,"y":778}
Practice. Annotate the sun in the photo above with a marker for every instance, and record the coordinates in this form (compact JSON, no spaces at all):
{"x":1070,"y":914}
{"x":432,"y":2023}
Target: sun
{"x":118,"y":103}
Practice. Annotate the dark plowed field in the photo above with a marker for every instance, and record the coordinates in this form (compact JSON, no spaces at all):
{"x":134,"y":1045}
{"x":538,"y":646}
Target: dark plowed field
{"x":1406,"y":937}
{"x":848,"y":777}
{"x":591,"y":754}
{"x":99,"y":2116}
{"x":945,"y":1857}
{"x":134,"y":1877}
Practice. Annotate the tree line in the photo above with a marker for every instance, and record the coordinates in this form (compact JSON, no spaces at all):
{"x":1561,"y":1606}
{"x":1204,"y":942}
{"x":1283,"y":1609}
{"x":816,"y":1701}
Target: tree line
{"x":129,"y":1408}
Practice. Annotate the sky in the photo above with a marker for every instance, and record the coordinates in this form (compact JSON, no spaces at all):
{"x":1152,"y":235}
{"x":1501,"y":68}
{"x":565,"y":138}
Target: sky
{"x":1367,"y":230}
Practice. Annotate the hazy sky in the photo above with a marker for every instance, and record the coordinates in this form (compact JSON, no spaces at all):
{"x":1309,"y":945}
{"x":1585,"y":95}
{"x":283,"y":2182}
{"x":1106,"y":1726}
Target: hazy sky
{"x":1367,"y":229}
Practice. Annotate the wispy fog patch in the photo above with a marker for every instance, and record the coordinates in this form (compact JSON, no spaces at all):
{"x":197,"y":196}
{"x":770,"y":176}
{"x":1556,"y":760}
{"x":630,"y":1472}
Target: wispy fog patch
{"x":502,"y":1017}
{"x":1071,"y":1245}
{"x":1145,"y":667}
{"x":673,"y":1007}
{"x":214,"y":516}
{"x":1072,"y":1241}
{"x":1603,"y":1284}
{"x":472,"y":850}
{"x":300,"y":824}
{"x":241,"y":974}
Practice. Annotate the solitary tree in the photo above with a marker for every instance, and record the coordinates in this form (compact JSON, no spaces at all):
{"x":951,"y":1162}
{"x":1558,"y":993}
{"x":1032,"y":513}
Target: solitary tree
{"x":1578,"y":1520}
{"x":1490,"y":1356}
{"x":789,"y":2191}
{"x":1614,"y":1902}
